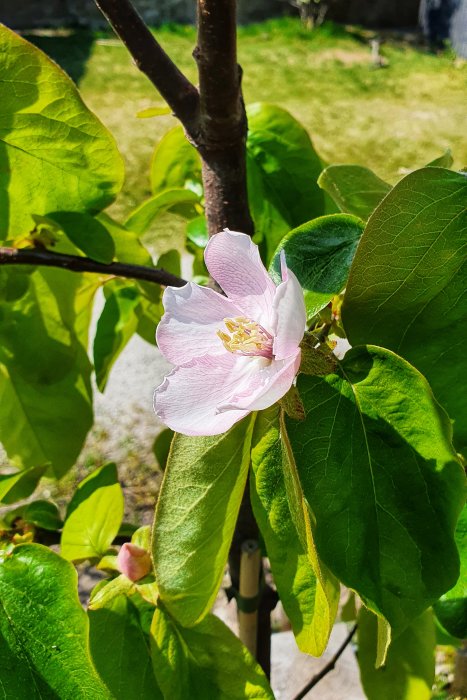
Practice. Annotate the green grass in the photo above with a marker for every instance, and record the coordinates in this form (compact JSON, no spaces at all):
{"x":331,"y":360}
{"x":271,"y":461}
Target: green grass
{"x":390,"y":119}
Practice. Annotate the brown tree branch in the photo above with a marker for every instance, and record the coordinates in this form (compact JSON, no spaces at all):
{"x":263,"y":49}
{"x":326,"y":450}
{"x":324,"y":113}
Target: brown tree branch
{"x":328,"y":667}
{"x":151,"y":59}
{"x":74,"y":263}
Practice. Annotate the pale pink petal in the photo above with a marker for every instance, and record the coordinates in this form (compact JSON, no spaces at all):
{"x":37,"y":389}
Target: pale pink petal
{"x":189,"y":397}
{"x":233,"y":260}
{"x":268,"y":385}
{"x":289,"y":316}
{"x":189,"y":326}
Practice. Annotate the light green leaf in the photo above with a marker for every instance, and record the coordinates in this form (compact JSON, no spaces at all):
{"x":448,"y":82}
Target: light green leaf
{"x":310,"y":607}
{"x":205,"y":661}
{"x":116,"y":325}
{"x":355,"y":189}
{"x":175,"y":164}
{"x":197,"y":231}
{"x":196,"y":511}
{"x":141,"y":218}
{"x":120,"y":649}
{"x":409,"y":671}
{"x":54,"y":153}
{"x":153,"y":112}
{"x":45,"y":390}
{"x":88,"y":234}
{"x":94,"y":515}
{"x":43,"y":629}
{"x":444,"y":161}
{"x":377,"y":468}
{"x":283,"y":178}
{"x":320,"y":254}
{"x":19,"y":485}
{"x":406,"y":284}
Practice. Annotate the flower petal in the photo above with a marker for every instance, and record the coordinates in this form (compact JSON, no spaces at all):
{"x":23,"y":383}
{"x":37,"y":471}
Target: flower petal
{"x":289,"y":316}
{"x":188,"y":399}
{"x":233,"y":260}
{"x":189,"y":326}
{"x":267,"y":386}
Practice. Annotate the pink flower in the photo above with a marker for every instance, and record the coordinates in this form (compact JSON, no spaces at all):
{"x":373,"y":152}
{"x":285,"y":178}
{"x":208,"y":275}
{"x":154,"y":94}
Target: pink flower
{"x":133,"y":561}
{"x":233,"y":354}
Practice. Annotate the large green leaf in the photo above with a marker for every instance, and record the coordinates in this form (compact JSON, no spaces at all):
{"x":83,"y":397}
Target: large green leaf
{"x":117,"y":323}
{"x":283,"y":169}
{"x":409,"y":671}
{"x":45,"y":390}
{"x":120,"y":648}
{"x":196,"y":512}
{"x":54,"y":153}
{"x":205,"y":661}
{"x":94,"y":515}
{"x":376,"y":465}
{"x":175,"y":163}
{"x":88,"y":234}
{"x":355,"y":189}
{"x":407,"y":282}
{"x":320,"y":253}
{"x":43,"y":629}
{"x":141,"y":218}
{"x":451,"y":610}
{"x":310,"y":606}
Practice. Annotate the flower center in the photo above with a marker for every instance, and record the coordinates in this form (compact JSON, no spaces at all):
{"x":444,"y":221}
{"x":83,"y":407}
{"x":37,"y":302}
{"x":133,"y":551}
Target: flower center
{"x":246,"y":337}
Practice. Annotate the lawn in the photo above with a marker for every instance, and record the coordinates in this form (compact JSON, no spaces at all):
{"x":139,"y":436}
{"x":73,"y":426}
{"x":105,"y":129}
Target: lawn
{"x":391,"y":119}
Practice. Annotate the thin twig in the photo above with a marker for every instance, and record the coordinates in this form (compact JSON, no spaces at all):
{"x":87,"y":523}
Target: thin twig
{"x":151,"y":59}
{"x":328,"y":667}
{"x":47,"y":258}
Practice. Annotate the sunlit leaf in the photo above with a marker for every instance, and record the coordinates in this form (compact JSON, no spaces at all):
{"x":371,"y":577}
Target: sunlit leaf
{"x":355,"y":189}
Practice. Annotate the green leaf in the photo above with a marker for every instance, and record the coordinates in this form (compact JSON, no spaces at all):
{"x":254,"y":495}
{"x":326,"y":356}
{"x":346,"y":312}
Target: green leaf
{"x":120,"y":649}
{"x":196,"y":511}
{"x":128,"y":247}
{"x":320,"y":254}
{"x":88,"y":234}
{"x":451,"y":609}
{"x":409,"y":671}
{"x":45,"y":389}
{"x":161,"y":447}
{"x":14,"y":283}
{"x":310,"y":607}
{"x":94,"y":515}
{"x":175,"y":164}
{"x":41,"y":513}
{"x":197,"y":231}
{"x":54,"y":153}
{"x":355,"y":189}
{"x":205,"y":661}
{"x":141,"y":218}
{"x":405,"y":289}
{"x":116,"y":325}
{"x":171,"y":262}
{"x":444,"y":161}
{"x":43,"y":629}
{"x":153,"y":112}
{"x":376,"y":465}
{"x":14,"y":487}
{"x":283,"y":178}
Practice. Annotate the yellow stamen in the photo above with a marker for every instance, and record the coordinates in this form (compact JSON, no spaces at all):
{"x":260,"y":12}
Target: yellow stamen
{"x":247,"y":337}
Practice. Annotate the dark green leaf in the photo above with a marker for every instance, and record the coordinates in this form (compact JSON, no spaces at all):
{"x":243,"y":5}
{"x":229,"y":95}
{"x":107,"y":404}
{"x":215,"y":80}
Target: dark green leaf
{"x":405,"y":289}
{"x":444,"y":161}
{"x":171,"y":262}
{"x":283,"y":169}
{"x":409,"y":671}
{"x":120,"y":649}
{"x":54,"y":153}
{"x":43,"y":514}
{"x":175,"y":164}
{"x":161,"y":446}
{"x":320,"y":253}
{"x":44,"y":629}
{"x":451,"y":610}
{"x":355,"y":189}
{"x":45,"y":390}
{"x":376,"y":465}
{"x":117,"y":323}
{"x":205,"y":661}
{"x":94,"y":515}
{"x":14,"y":283}
{"x":141,"y":219}
{"x":310,"y":606}
{"x":14,"y":487}
{"x":88,"y":234}
{"x":128,"y":247}
{"x":196,"y":512}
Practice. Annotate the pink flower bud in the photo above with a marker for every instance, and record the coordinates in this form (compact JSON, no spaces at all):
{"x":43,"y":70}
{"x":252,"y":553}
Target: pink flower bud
{"x":134,"y":562}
